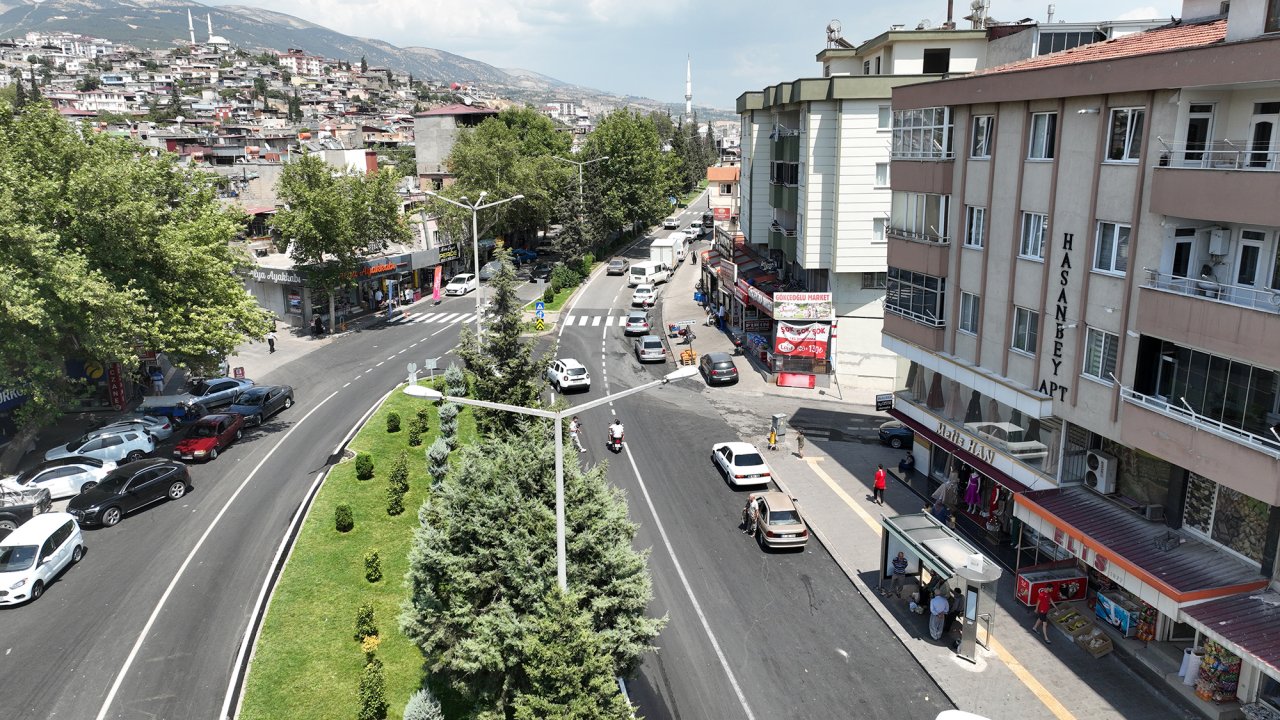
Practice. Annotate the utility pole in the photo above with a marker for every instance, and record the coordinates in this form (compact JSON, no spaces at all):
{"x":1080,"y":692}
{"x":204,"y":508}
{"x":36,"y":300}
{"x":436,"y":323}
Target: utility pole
{"x":475,"y":207}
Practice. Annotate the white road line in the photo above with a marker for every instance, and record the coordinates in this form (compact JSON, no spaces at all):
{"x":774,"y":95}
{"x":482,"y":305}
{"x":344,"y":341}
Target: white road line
{"x":414,"y":345}
{"x":446,"y":327}
{"x":391,"y":357}
{"x":366,"y":372}
{"x":401,"y":352}
{"x":384,"y":362}
{"x":349,"y":384}
{"x":595,"y":321}
{"x":164,"y":598}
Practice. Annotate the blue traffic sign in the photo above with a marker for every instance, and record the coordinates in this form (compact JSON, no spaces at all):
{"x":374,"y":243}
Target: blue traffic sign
{"x":539,"y":306}
{"x":539,"y":312}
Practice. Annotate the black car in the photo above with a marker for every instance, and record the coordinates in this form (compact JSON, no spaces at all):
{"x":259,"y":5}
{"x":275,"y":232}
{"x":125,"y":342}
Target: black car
{"x":717,"y":368}
{"x":261,"y":402}
{"x":130,"y":487}
{"x":541,"y":271}
{"x":896,"y":435}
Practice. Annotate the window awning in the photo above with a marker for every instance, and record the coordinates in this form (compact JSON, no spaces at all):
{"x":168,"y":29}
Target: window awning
{"x":1247,"y":625}
{"x":939,"y":547}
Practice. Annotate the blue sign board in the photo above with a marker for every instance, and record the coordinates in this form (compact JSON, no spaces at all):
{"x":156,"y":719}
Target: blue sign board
{"x":539,"y":306}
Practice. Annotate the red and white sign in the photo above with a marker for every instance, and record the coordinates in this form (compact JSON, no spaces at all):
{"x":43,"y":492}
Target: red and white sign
{"x":721,"y":213}
{"x":435,"y":284}
{"x":802,"y":340}
{"x":115,"y":385}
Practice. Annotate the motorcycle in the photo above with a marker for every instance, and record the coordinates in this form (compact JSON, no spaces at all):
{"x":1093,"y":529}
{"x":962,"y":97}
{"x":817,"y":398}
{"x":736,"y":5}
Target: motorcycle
{"x":615,"y":443}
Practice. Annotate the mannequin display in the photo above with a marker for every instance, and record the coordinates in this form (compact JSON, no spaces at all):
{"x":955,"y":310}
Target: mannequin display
{"x":973,"y":493}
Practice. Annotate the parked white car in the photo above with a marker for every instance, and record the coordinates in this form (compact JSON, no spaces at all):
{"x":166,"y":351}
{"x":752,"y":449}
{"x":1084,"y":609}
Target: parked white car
{"x":461,"y":284}
{"x":161,"y":428}
{"x":124,"y":446}
{"x":32,"y":556}
{"x":741,"y":463}
{"x":643,"y":296}
{"x":568,"y":373}
{"x":63,"y":478}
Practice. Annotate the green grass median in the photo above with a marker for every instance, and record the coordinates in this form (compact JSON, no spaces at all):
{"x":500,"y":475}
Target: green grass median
{"x":306,"y":663}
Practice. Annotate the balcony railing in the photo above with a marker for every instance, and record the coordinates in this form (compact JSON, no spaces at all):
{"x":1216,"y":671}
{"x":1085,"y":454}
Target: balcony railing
{"x":779,"y":228}
{"x":915,"y":236}
{"x":1179,"y":411}
{"x":1264,"y":299}
{"x":1219,"y":155}
{"x":923,"y":318}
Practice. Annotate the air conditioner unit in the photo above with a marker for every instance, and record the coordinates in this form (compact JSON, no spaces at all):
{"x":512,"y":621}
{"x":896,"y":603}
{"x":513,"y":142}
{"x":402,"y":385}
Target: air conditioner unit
{"x":1101,"y":474}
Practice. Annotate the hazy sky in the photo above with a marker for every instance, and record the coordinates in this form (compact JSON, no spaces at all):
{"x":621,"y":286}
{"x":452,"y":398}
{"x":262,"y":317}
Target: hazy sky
{"x":639,"y":46}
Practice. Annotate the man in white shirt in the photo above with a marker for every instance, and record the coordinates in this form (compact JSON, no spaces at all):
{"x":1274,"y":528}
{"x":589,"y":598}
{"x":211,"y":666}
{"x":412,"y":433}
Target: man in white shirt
{"x":575,"y":428}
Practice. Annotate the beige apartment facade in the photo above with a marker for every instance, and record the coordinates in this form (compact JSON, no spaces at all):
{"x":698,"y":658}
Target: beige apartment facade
{"x":1084,"y":286}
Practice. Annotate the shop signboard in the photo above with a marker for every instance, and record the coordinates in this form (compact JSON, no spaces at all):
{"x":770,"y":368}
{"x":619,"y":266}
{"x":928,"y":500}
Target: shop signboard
{"x":721,"y":213}
{"x":756,"y":326}
{"x":728,"y":271}
{"x":761,"y":299}
{"x":448,"y":252}
{"x":802,"y":340}
{"x":115,"y":385}
{"x":280,"y":277}
{"x":10,"y":398}
{"x":884,"y":402}
{"x":803,"y":306}
{"x":741,"y":294}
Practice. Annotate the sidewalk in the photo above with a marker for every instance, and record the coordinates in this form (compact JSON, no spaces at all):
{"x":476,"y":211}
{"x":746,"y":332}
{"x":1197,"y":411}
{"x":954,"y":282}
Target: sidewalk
{"x":1019,"y":676}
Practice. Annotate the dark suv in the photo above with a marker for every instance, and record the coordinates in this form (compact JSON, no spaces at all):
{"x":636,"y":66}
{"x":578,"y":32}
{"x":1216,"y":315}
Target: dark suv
{"x":717,"y":368}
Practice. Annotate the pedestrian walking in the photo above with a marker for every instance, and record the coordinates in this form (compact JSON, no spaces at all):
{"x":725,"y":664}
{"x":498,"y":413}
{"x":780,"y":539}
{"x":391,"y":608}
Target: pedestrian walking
{"x":751,"y":515}
{"x":157,"y":380}
{"x":271,"y":341}
{"x":881,"y":482}
{"x":938,"y":607}
{"x":899,"y":574}
{"x":575,"y":428}
{"x":1043,"y":604}
{"x":773,"y":439}
{"x":799,"y":442}
{"x":377,"y":298}
{"x":720,"y":316}
{"x":955,"y":606}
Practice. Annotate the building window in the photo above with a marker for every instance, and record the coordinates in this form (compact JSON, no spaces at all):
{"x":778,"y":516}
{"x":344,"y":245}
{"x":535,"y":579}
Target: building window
{"x":1044,"y":130}
{"x":983,"y":130}
{"x":726,"y":188}
{"x":866,"y":67}
{"x":1111,"y":254}
{"x":874,"y":280}
{"x":970,"y":305}
{"x":877,"y":70}
{"x":1051,"y":42}
{"x":784,"y":173}
{"x":920,"y":216}
{"x":922,"y":134}
{"x":1026,"y":330}
{"x":1273,"y":16}
{"x":937,"y":61}
{"x":1032,"y":243}
{"x":884,"y":120}
{"x":915,"y":295}
{"x":1100,"y":355}
{"x":1126,"y":135}
{"x":877,"y":230}
{"x":882,"y":174}
{"x":975,"y":222}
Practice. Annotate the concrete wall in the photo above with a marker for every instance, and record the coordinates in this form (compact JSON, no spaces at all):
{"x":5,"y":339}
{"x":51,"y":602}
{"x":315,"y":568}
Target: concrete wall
{"x":433,"y":141}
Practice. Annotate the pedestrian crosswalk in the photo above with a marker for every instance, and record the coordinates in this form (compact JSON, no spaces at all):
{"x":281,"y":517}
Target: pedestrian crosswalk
{"x":574,"y":320}
{"x":593,"y":320}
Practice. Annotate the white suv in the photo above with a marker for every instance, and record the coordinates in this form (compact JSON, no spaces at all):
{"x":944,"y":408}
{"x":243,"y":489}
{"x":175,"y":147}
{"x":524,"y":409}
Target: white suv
{"x":119,"y":447}
{"x":33,"y":555}
{"x":568,"y":373}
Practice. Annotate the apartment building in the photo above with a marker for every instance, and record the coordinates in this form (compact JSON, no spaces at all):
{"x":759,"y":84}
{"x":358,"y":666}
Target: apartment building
{"x":1084,"y":289}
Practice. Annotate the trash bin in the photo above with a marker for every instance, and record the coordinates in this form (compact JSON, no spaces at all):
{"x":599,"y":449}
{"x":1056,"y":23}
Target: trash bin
{"x":779,"y":424}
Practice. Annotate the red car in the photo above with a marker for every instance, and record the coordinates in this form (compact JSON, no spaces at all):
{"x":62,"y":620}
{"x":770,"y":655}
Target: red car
{"x":208,"y":435}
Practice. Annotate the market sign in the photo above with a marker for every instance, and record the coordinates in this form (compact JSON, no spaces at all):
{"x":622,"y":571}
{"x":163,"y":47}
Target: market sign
{"x":756,"y":326}
{"x":375,"y":269}
{"x":803,"y":306}
{"x":448,"y":252}
{"x":809,"y":340}
{"x":721,"y":213}
{"x":728,"y":271}
{"x":758,"y":297}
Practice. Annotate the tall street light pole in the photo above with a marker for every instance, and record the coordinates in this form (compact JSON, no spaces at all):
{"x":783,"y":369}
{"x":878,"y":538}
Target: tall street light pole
{"x":558,"y":416}
{"x":581,"y":164}
{"x":475,"y":208}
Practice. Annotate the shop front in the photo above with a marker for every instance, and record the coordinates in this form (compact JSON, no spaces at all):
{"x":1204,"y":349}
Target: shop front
{"x":281,"y":291}
{"x":1243,"y":628}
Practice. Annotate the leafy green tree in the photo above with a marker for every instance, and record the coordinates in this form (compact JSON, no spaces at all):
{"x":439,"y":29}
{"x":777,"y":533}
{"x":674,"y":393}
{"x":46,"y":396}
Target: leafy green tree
{"x":88,"y":83}
{"x":34,"y":95}
{"x":502,"y":363}
{"x":640,"y":177}
{"x":364,"y":65}
{"x":333,"y":221}
{"x":480,"y":574}
{"x":576,"y":234}
{"x":568,"y":673}
{"x":105,"y":250}
{"x":295,"y":108}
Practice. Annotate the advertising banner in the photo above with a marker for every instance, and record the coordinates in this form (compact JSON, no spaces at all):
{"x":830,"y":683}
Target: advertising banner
{"x":721,"y":213}
{"x":115,"y":385}
{"x":803,"y":306}
{"x":728,"y":271}
{"x":435,"y":284}
{"x":802,"y":340}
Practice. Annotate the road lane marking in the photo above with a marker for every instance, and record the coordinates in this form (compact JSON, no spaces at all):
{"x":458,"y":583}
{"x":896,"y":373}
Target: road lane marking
{"x":164,"y":598}
{"x":349,"y":384}
{"x":684,"y":580}
{"x":414,"y":345}
{"x":1019,"y":670}
{"x":384,"y":362}
{"x":446,"y":327}
{"x":595,"y":321}
{"x":391,"y":357}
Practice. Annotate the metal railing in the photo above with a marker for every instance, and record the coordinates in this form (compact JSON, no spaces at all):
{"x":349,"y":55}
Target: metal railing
{"x":1219,"y":155}
{"x":1185,"y":414}
{"x":1265,"y":299}
{"x":914,"y":236}
{"x":922,"y":318}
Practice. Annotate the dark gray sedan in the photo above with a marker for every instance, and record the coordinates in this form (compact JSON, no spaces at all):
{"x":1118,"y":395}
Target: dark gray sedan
{"x":261,"y":402}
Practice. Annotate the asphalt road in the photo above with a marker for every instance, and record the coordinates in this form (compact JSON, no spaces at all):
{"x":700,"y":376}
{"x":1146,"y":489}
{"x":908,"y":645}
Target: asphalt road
{"x":149,"y":623}
{"x":750,"y":634}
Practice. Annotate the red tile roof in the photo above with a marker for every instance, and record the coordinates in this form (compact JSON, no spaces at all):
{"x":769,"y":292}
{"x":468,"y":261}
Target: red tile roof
{"x":1159,"y":40}
{"x":723,"y":174}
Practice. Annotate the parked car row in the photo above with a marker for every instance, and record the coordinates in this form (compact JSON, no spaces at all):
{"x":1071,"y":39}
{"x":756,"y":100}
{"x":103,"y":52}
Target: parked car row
{"x":778,"y":522}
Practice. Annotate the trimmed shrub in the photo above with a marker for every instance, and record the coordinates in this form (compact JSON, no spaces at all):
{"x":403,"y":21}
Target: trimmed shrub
{"x":342,"y":518}
{"x":393,"y":422}
{"x":369,"y":646}
{"x":548,"y":295}
{"x":372,"y":567}
{"x":364,"y":466}
{"x":449,"y":424}
{"x":415,"y":434}
{"x":584,"y":265}
{"x":395,"y":501}
{"x":399,"y":478}
{"x":565,"y":277}
{"x":424,"y":418}
{"x":438,"y":461}
{"x":423,"y":705}
{"x":365,"y":625}
{"x":373,"y":692}
{"x":455,"y":381}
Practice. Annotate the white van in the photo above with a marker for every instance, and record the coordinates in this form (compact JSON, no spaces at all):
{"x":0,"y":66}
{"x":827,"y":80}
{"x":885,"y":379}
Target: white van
{"x":34,"y":554}
{"x":648,"y":273}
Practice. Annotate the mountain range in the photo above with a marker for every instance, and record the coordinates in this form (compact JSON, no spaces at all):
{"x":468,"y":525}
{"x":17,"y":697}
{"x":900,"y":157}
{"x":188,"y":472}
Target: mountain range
{"x":163,"y":23}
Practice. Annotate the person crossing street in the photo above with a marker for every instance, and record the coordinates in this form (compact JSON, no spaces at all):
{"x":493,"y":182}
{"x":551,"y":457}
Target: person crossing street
{"x":575,"y":430}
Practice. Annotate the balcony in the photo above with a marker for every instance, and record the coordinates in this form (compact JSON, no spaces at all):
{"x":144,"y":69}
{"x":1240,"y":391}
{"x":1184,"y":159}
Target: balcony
{"x":1244,"y":183}
{"x":784,"y":197}
{"x":926,"y":332}
{"x":931,"y":256}
{"x":1241,"y":322}
{"x":1202,"y":445}
{"x":926,"y":177}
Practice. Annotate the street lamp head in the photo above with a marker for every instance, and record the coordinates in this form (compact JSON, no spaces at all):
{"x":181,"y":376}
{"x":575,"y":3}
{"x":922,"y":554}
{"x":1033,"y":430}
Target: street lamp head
{"x":684,"y":371}
{"x":482,"y":194}
{"x":518,"y":197}
{"x":423,"y":392}
{"x":464,"y":199}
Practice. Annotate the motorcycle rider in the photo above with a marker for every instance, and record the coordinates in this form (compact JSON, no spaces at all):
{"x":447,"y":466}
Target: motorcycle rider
{"x":615,"y":432}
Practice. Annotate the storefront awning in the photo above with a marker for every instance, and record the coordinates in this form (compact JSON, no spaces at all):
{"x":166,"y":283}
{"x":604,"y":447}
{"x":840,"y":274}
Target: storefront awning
{"x":969,"y":458}
{"x":1247,"y":625}
{"x":1162,"y":569}
{"x":939,"y":547}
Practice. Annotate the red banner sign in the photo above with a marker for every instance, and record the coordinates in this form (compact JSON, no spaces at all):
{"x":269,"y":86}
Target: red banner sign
{"x":435,"y":284}
{"x":721,"y":213}
{"x":115,"y":385}
{"x":802,"y":340}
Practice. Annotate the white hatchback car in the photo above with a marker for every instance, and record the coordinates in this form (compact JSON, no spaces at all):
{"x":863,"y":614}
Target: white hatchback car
{"x":32,"y":556}
{"x":568,"y":373}
{"x":116,"y":446}
{"x":63,"y":478}
{"x":461,"y":284}
{"x":741,"y":463}
{"x":643,"y":296}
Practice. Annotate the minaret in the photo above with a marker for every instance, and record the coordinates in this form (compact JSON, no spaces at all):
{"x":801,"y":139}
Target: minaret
{"x":191,"y":28}
{"x":209,"y":17}
{"x":688,"y":88}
